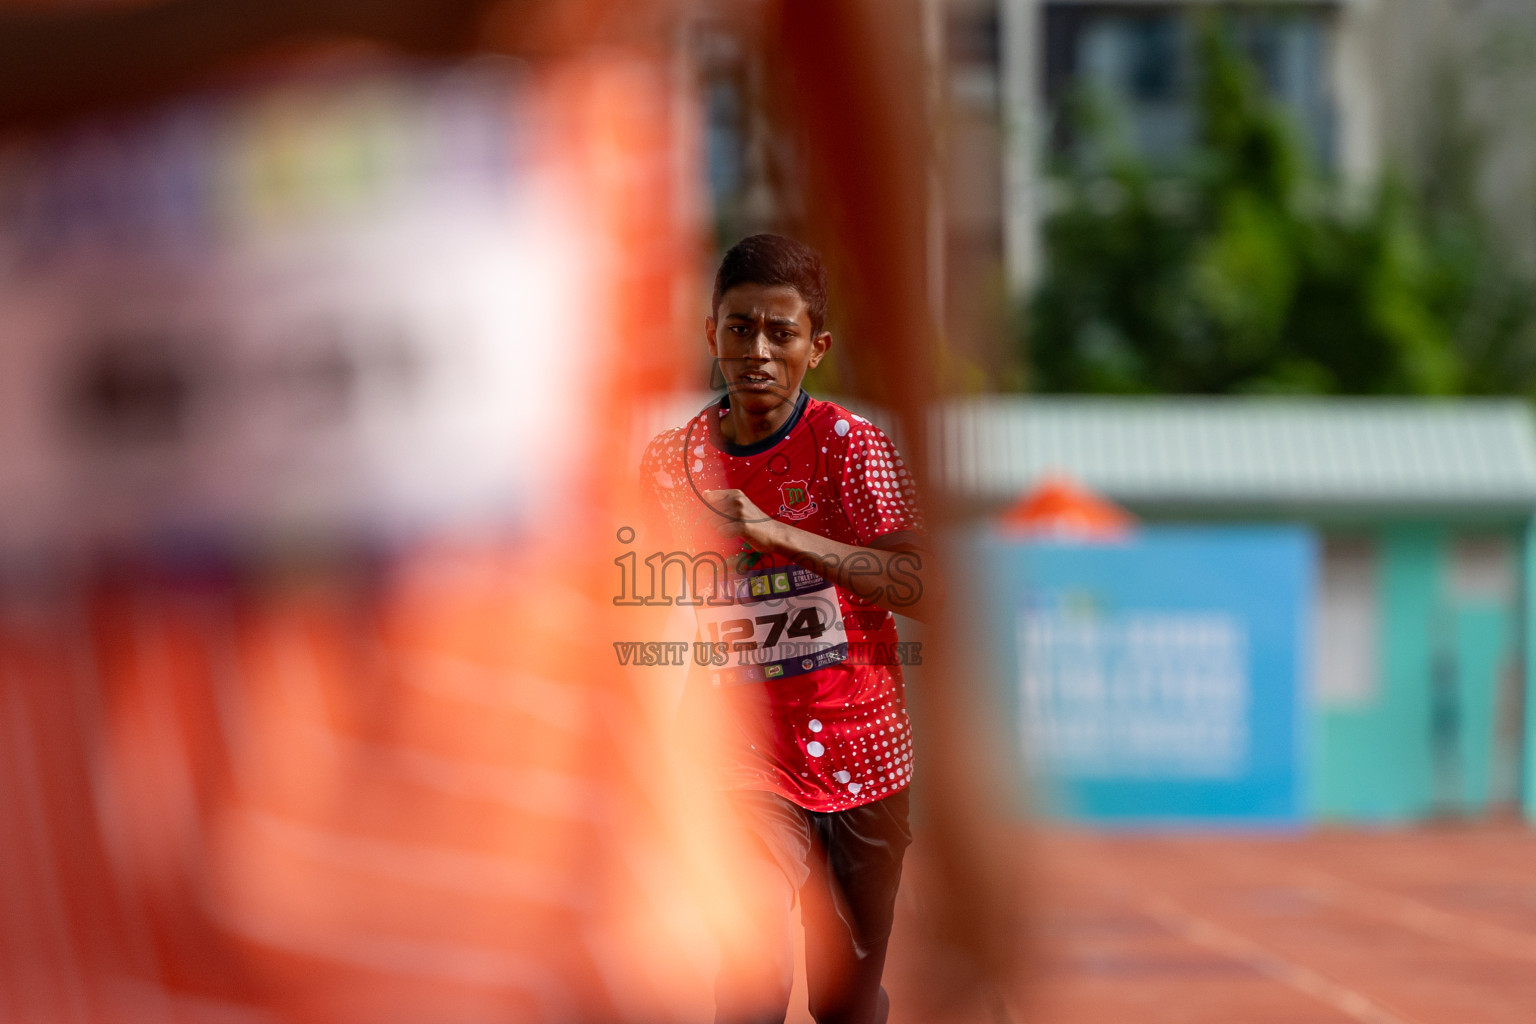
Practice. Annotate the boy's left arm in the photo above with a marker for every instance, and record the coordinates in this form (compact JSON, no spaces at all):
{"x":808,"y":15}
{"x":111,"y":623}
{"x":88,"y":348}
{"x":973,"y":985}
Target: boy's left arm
{"x":892,"y":572}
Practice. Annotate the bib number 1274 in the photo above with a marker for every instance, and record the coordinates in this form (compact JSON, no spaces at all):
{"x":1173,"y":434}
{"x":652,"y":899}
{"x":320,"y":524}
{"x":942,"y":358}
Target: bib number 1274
{"x":779,"y":622}
{"x":742,"y":634}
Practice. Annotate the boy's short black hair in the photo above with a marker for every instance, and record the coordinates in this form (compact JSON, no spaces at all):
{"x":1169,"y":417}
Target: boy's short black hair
{"x":775,"y":260}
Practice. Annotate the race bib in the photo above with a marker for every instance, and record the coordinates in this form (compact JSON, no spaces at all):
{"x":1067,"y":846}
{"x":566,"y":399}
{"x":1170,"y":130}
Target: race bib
{"x":780,"y":622}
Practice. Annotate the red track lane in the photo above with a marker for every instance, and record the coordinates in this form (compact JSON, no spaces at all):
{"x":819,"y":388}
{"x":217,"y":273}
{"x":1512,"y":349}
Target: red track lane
{"x":1421,"y":926}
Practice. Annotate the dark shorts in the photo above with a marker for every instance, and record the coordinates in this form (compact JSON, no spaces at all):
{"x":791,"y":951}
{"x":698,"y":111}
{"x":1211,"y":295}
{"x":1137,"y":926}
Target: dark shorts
{"x":845,"y":867}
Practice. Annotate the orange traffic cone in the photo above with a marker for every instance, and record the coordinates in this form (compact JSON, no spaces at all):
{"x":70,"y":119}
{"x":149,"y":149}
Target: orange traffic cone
{"x":1059,"y":507}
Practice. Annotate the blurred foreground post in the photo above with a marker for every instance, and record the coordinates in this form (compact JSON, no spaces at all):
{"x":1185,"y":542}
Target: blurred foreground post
{"x":854,"y":95}
{"x":306,"y":682}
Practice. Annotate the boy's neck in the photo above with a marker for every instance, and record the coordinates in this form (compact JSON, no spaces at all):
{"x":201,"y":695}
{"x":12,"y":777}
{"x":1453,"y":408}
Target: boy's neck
{"x":742,"y":427}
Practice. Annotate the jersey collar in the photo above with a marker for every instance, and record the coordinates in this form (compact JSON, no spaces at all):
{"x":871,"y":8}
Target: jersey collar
{"x":756,"y":447}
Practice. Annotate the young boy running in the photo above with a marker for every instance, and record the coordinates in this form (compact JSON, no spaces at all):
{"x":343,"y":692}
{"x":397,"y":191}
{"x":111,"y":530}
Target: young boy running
{"x":808,"y":515}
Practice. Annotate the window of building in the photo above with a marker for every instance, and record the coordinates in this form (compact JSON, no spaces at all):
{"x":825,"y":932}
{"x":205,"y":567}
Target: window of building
{"x":1142,"y":59}
{"x":1344,"y":637}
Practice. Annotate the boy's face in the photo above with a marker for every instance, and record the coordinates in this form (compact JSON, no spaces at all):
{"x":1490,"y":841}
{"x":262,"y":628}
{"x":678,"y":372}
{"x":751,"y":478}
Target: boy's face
{"x":761,"y":336}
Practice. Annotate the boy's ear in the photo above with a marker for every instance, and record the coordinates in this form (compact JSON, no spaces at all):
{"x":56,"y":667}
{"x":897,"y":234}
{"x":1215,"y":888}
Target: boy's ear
{"x":709,"y":335}
{"x":820,"y":345}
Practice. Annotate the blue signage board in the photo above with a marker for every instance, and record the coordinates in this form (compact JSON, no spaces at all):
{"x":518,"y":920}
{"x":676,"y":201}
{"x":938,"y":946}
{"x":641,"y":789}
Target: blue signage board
{"x":1159,"y":679}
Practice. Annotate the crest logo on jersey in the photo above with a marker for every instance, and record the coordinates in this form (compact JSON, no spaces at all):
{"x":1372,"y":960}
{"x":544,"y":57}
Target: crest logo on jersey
{"x":797,"y":499}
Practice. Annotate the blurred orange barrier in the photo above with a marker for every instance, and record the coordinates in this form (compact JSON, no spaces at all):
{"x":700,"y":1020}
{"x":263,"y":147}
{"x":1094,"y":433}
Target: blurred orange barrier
{"x":304,"y":731}
{"x":332,"y":786}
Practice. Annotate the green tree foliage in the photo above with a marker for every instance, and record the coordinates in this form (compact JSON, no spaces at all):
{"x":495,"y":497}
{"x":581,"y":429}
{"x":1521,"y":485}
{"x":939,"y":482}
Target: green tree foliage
{"x":1243,"y":270}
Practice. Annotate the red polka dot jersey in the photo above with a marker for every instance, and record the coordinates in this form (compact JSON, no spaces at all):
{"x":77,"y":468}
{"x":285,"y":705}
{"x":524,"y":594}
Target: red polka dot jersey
{"x":805,"y":679}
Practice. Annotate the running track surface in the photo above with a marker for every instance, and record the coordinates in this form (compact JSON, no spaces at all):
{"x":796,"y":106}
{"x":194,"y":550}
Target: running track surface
{"x":1422,"y":926}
